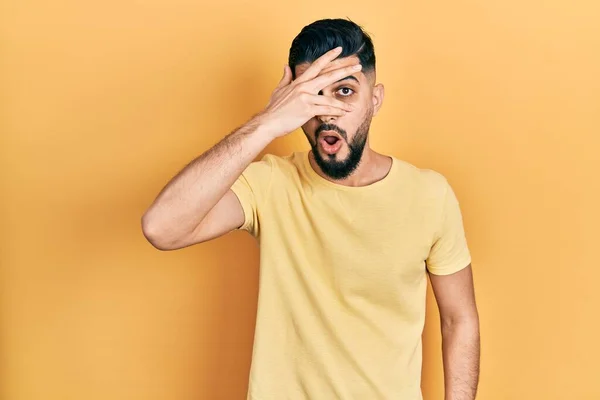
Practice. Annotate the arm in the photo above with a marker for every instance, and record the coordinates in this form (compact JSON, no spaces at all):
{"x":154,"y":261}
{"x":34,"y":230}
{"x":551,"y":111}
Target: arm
{"x":197,"y":204}
{"x":174,"y":219}
{"x":460,"y":332}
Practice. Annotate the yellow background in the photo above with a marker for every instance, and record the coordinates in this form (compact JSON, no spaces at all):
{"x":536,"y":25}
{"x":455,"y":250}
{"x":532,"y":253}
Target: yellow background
{"x":102,"y":102}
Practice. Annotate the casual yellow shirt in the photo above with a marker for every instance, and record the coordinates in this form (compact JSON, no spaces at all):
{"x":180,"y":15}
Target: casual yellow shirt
{"x":343,"y":277}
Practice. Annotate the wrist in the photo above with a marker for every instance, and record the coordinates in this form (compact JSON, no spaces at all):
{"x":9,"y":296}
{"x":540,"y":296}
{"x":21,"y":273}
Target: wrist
{"x":263,"y":127}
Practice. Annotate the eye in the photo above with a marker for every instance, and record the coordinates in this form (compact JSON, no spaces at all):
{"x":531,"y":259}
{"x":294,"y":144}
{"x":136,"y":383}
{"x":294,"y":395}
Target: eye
{"x":345,"y":91}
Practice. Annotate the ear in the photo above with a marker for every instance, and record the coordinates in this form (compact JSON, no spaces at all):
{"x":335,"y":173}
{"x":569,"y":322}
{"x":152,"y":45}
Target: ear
{"x":378,"y":94}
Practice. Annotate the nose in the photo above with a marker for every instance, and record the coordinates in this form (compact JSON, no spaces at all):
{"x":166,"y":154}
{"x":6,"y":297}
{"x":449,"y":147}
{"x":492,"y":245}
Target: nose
{"x":326,"y":118}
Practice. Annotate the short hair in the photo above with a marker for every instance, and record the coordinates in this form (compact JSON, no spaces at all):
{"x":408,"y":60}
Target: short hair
{"x":323,"y":35}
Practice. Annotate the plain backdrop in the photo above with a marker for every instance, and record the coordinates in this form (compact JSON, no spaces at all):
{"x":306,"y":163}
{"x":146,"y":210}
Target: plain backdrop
{"x":101,"y":102}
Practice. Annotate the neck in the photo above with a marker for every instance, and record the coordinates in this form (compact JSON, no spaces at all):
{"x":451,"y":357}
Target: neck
{"x":373,"y":167}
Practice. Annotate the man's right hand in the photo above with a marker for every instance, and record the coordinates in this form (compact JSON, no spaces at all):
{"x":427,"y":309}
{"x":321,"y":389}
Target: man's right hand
{"x":198,"y":204}
{"x":293,"y":103}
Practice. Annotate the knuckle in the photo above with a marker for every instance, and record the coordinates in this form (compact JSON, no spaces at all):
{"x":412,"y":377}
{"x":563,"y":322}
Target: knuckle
{"x":329,"y":74}
{"x":301,"y":88}
{"x":337,"y":103}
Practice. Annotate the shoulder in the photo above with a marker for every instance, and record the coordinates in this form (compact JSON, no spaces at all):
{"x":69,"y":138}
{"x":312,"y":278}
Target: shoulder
{"x":283,"y":166}
{"x":271,"y":164}
{"x":427,"y":181}
{"x":277,"y":161}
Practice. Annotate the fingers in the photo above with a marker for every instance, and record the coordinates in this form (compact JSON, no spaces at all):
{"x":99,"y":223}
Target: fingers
{"x":320,"y":63}
{"x":329,"y":101}
{"x":322,"y":105}
{"x":287,"y":77}
{"x":328,"y":78}
{"x":340,"y":63}
{"x":328,"y":110}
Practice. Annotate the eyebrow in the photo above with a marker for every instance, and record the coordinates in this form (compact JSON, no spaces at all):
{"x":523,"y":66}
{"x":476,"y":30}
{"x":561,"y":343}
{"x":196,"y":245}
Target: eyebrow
{"x":349,"y":77}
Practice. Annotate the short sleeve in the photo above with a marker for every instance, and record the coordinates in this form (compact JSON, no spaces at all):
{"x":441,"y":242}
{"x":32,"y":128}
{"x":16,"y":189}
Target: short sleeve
{"x":449,"y":252}
{"x":251,"y":189}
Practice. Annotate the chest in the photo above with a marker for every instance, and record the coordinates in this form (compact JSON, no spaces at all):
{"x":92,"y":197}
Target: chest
{"x":358,"y":244}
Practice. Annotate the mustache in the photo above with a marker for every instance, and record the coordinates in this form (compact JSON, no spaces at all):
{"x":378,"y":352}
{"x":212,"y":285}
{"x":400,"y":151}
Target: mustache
{"x":331,"y":127}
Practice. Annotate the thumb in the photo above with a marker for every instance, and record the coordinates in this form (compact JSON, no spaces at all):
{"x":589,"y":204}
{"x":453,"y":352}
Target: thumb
{"x":287,"y":77}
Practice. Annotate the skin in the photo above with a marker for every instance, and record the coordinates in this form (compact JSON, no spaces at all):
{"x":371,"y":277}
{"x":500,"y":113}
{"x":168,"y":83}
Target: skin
{"x":455,"y":297}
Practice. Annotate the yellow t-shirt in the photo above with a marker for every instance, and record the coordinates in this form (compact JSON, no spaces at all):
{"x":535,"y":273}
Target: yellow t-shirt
{"x":343,"y":278}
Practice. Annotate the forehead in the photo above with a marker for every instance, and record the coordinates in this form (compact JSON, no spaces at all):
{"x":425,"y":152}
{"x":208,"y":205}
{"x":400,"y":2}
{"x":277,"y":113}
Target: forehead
{"x":335,"y":64}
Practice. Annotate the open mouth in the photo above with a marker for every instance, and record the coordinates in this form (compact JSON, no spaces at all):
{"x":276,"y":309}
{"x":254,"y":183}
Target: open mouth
{"x":331,"y":143}
{"x":331,"y":139}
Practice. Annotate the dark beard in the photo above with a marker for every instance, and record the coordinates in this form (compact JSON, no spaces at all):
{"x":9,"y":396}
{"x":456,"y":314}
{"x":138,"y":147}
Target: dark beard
{"x":333,"y":168}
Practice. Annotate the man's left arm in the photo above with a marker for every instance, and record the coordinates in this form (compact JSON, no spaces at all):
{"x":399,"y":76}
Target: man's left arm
{"x":459,"y":318}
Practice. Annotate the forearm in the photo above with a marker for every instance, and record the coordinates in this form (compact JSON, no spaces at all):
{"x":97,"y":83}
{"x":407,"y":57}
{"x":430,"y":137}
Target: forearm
{"x":188,"y":197}
{"x":461,"y":348}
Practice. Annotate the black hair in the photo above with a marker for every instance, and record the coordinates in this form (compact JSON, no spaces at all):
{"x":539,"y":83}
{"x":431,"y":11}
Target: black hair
{"x":319,"y":37}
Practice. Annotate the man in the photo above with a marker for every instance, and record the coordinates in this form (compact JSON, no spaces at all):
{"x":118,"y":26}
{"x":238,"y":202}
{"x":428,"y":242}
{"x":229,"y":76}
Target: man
{"x":347,"y":236}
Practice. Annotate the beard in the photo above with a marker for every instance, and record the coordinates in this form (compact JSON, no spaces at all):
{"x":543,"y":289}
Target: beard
{"x":340,"y":169}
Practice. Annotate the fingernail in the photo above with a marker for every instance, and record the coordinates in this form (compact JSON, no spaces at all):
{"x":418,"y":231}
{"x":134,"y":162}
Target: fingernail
{"x":339,"y":48}
{"x":357,"y":67}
